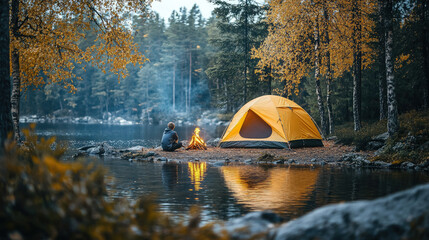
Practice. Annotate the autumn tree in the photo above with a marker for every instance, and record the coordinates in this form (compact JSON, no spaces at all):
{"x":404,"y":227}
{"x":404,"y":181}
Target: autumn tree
{"x":45,"y":40}
{"x":323,"y":38}
{"x":5,"y":114}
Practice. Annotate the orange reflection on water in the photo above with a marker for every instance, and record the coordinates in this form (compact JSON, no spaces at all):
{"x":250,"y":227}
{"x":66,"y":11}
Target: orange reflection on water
{"x":277,"y":188}
{"x":196,"y":173}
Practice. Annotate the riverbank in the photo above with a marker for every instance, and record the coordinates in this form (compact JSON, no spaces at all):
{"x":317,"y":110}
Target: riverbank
{"x":331,"y":154}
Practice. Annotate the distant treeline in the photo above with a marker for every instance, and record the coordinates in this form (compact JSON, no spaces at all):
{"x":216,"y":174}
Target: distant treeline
{"x":222,"y":62}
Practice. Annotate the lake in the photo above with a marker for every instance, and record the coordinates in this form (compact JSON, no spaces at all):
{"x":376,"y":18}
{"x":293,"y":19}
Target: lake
{"x":223,"y":192}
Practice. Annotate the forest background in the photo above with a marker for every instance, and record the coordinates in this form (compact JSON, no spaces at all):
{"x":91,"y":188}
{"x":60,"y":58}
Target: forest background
{"x":239,"y":53}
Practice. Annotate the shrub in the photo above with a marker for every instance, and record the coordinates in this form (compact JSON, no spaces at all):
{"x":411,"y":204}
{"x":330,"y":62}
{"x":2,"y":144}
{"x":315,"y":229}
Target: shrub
{"x":42,"y":197}
{"x":346,"y":134}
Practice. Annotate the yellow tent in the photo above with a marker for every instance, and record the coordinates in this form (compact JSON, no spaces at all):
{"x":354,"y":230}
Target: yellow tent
{"x":271,"y":122}
{"x":279,"y":189}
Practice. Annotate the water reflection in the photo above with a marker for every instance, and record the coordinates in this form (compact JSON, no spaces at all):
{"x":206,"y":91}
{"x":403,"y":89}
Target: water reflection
{"x":196,"y":173}
{"x":278,"y":189}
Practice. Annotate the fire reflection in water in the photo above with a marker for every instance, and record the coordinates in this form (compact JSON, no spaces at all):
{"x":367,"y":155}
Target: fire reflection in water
{"x":279,"y":189}
{"x":197,"y":171}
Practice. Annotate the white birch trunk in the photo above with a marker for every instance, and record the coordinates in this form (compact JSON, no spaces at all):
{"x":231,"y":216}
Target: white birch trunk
{"x":392,"y":109}
{"x":317,"y":79}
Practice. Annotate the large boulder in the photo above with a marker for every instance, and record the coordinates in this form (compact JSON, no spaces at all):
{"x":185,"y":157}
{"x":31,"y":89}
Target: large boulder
{"x":404,"y":215}
{"x":355,"y":159}
{"x":374,"y":145}
{"x":381,"y":137}
{"x":253,"y":225}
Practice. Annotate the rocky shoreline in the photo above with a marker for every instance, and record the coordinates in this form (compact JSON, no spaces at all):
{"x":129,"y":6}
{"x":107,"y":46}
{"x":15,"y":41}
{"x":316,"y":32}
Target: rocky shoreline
{"x":330,"y":155}
{"x":403,"y":215}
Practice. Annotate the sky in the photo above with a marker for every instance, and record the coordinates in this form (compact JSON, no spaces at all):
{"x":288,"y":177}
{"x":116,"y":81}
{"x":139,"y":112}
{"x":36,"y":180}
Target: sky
{"x":165,"y":7}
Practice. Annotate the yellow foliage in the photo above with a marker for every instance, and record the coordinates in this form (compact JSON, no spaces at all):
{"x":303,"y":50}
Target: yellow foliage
{"x":51,"y":32}
{"x":289,"y":50}
{"x":42,"y":197}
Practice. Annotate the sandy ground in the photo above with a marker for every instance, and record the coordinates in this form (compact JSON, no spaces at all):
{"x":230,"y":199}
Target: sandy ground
{"x":329,"y":153}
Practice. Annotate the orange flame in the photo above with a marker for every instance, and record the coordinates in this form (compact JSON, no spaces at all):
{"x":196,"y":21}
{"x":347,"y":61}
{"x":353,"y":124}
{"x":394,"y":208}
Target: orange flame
{"x":196,"y":141}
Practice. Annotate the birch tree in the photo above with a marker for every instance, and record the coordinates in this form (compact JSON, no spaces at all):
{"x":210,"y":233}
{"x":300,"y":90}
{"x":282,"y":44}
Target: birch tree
{"x":329,"y":38}
{"x":392,"y":109}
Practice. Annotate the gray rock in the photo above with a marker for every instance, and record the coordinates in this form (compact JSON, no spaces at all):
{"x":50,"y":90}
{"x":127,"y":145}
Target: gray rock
{"x":150,"y":154}
{"x":404,"y":215}
{"x":96,"y":150}
{"x":407,"y":165}
{"x":135,"y":149}
{"x":313,"y":160}
{"x":424,"y":164}
{"x":351,"y":157}
{"x":410,"y":139}
{"x":213,"y":142}
{"x":332,"y":138}
{"x":381,"y":164}
{"x":163,"y":159}
{"x":398,"y":146}
{"x":424,"y":146}
{"x":374,"y":145}
{"x":85,"y":148}
{"x":291,"y":161}
{"x":381,"y":137}
{"x":108,"y":149}
{"x":380,"y":151}
{"x":355,"y":159}
{"x":280,"y":161}
{"x":250,"y":225}
{"x":248,"y":161}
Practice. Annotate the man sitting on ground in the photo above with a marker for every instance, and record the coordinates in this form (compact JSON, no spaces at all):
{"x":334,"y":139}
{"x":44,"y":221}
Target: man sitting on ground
{"x":170,"y":139}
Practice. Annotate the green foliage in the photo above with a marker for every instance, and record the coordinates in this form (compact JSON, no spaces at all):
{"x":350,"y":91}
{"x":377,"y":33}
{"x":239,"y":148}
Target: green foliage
{"x":44,"y":198}
{"x":416,"y":123}
{"x":238,"y":28}
{"x":346,"y":134}
{"x":411,"y":142}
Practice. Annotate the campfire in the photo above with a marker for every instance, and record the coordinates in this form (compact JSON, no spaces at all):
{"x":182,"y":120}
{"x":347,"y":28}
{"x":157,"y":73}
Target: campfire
{"x":196,"y":141}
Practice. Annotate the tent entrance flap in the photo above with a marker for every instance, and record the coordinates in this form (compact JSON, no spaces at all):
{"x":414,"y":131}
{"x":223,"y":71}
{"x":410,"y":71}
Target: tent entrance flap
{"x":254,"y":127}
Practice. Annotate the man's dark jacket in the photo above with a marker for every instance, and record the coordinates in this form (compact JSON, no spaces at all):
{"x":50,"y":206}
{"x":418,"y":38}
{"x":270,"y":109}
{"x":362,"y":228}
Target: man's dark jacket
{"x":168,"y":139}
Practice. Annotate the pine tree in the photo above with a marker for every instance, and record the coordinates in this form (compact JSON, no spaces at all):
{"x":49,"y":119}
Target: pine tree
{"x":5,"y":107}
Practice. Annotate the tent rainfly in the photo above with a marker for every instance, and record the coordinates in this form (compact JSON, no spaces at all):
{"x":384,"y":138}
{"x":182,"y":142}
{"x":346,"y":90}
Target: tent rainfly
{"x":271,"y":122}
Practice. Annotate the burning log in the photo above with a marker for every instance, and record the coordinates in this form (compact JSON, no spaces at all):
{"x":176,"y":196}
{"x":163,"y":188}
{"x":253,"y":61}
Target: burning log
{"x":196,"y":141}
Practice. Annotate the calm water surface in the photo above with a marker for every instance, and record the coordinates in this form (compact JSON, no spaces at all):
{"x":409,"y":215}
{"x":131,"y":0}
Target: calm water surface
{"x":227,"y":191}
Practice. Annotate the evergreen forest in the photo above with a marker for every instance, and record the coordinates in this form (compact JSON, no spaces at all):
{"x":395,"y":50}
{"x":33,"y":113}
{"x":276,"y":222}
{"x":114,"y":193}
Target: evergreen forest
{"x":329,"y":57}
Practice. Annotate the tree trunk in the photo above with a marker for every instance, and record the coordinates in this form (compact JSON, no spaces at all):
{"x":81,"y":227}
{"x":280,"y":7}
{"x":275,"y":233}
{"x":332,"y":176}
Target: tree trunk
{"x":174,"y":86}
{"x":392,"y":109}
{"x":330,"y":127}
{"x":16,"y":88}
{"x":382,"y":71}
{"x":425,"y":50}
{"x":270,"y":80}
{"x":246,"y":51}
{"x":357,"y":64}
{"x":317,"y":78}
{"x":5,"y":91}
{"x":190,"y":80}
